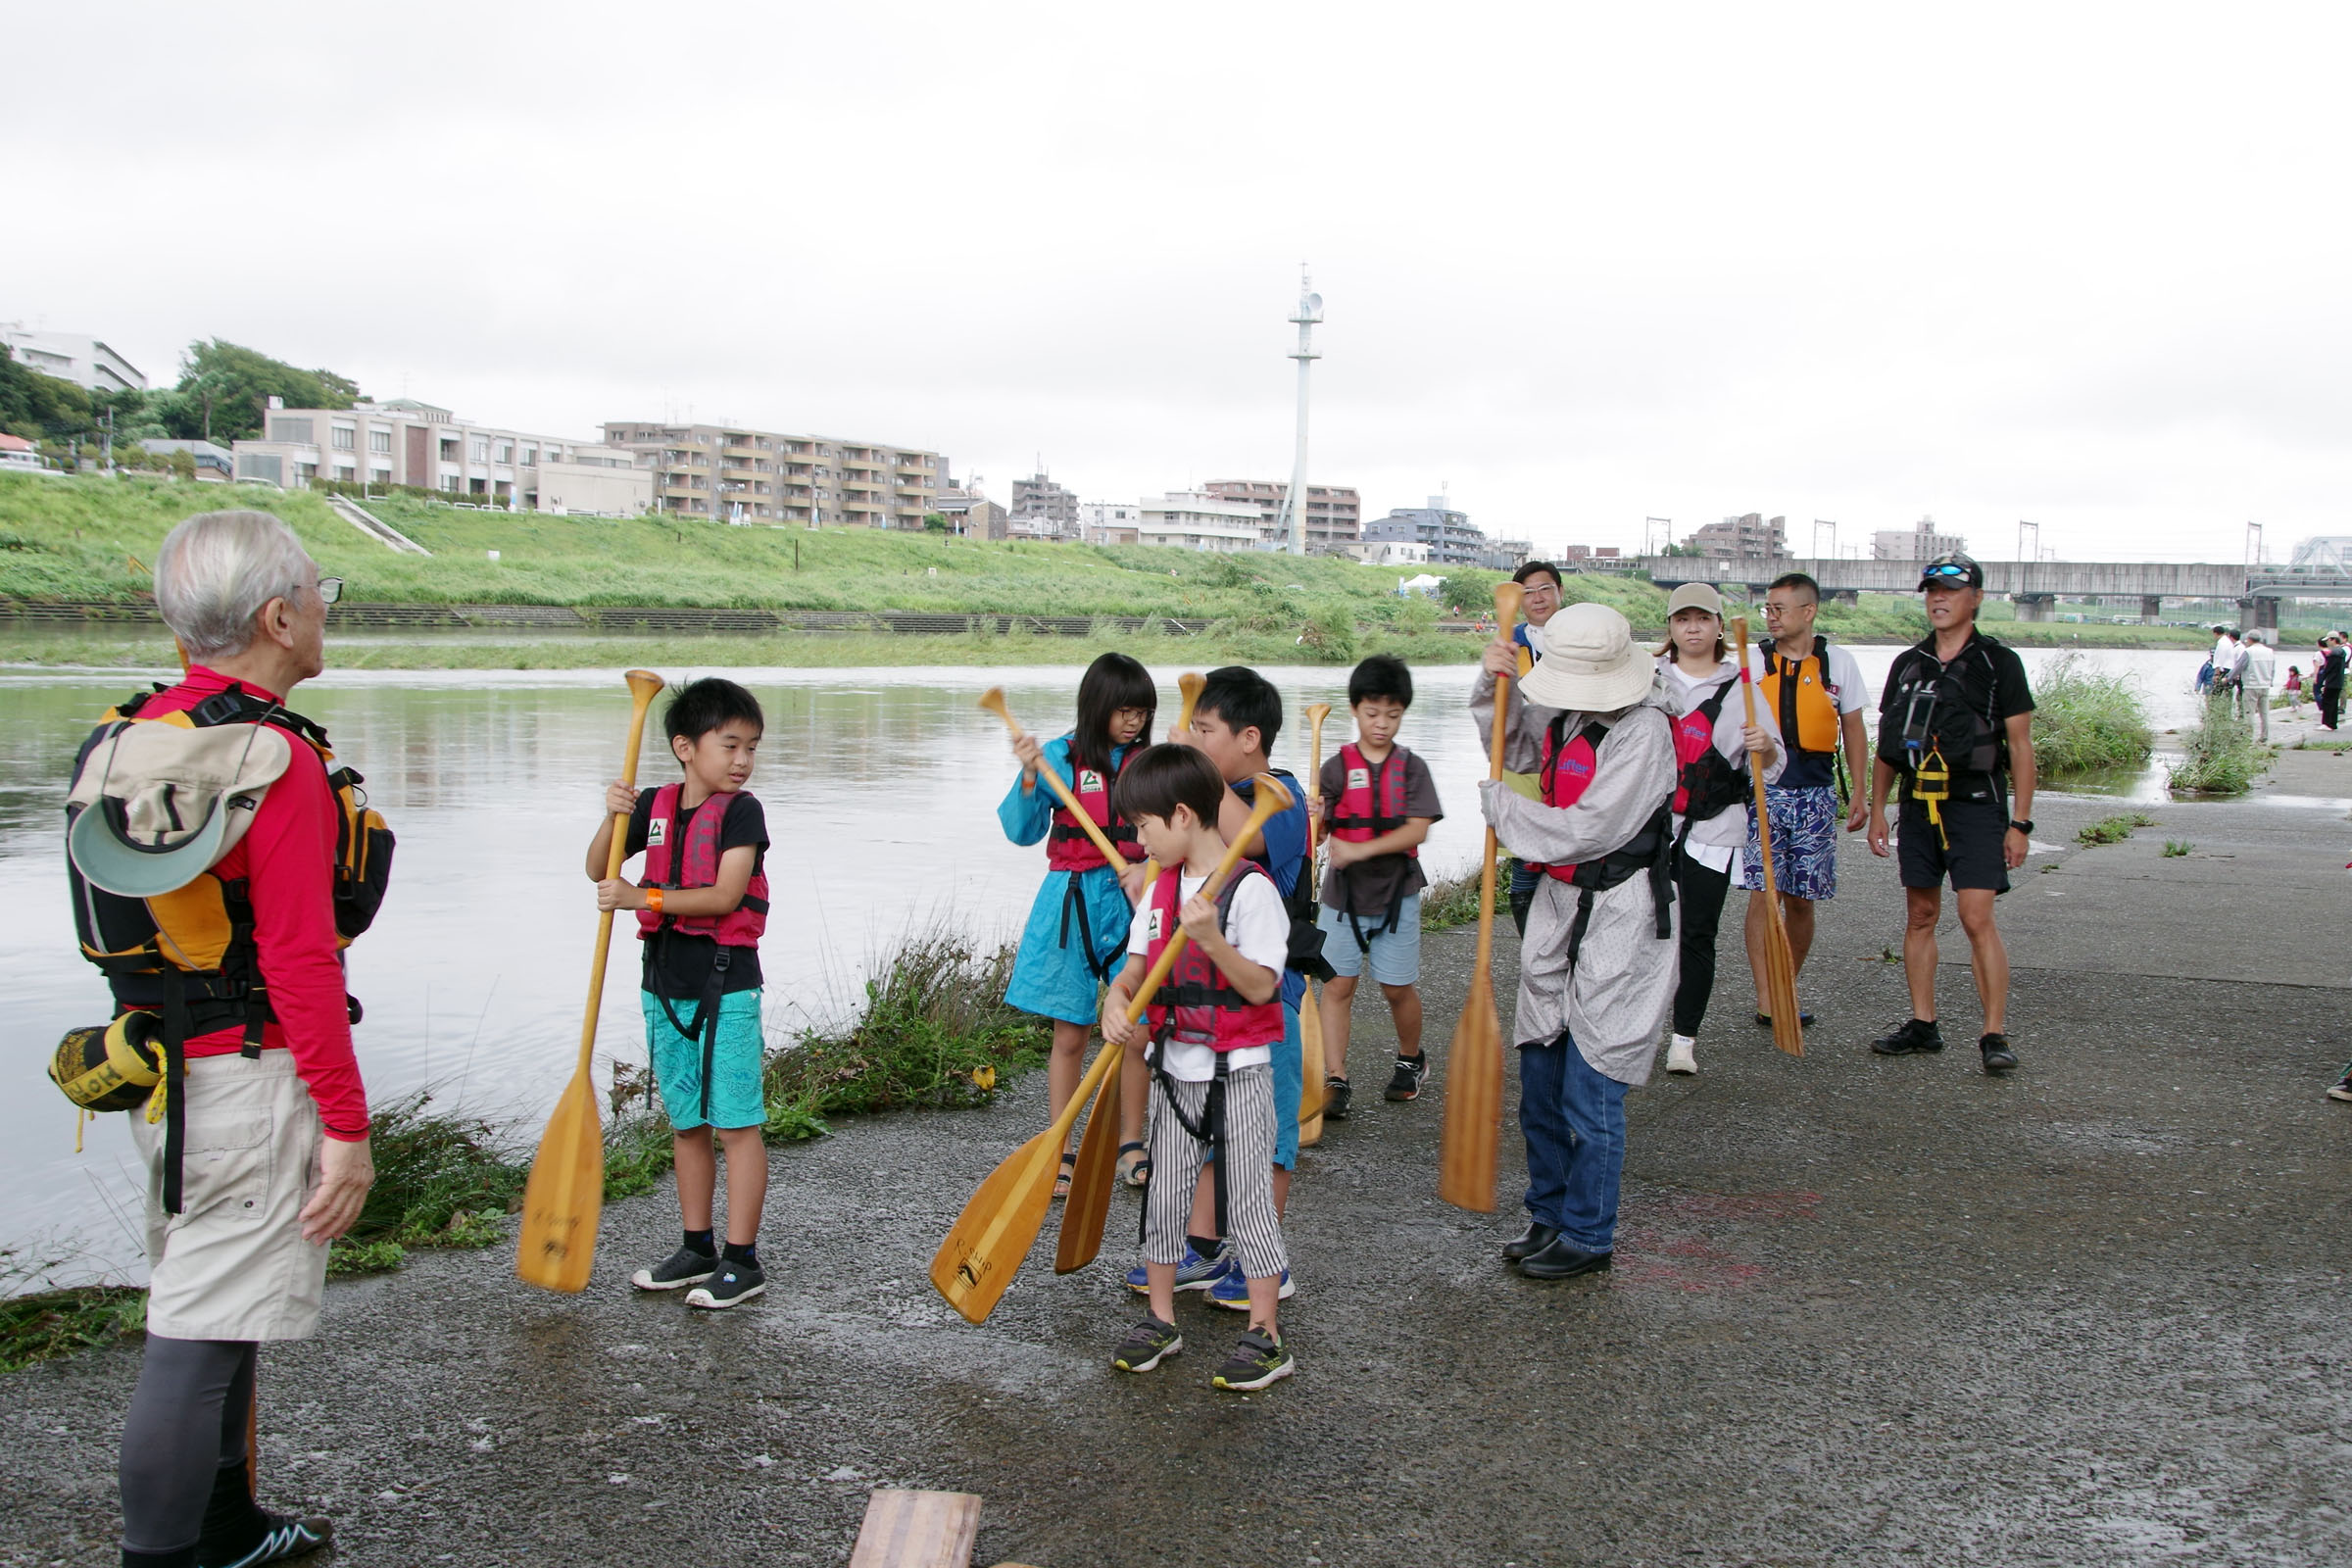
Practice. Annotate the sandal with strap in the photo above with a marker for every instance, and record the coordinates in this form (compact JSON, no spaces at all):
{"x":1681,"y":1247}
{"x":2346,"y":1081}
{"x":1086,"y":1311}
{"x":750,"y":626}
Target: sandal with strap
{"x":1135,"y":1171}
{"x":1069,"y":1164}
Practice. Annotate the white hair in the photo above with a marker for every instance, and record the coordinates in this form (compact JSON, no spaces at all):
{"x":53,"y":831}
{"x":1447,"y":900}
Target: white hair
{"x":215,"y":571}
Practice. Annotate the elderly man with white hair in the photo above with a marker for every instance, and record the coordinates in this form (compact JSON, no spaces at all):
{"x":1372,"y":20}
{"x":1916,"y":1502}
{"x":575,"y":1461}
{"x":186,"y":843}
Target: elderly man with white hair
{"x":263,"y":1159}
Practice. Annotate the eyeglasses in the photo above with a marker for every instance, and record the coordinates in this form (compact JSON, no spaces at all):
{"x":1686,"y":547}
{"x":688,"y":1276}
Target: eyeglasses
{"x":1945,"y":571}
{"x":330,"y":589}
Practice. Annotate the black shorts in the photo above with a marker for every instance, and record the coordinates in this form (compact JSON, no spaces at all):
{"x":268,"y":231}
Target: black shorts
{"x":1976,"y":831}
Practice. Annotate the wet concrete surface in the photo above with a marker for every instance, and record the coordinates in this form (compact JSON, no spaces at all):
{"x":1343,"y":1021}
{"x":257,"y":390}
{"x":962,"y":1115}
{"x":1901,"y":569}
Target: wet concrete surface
{"x":1866,"y":1310}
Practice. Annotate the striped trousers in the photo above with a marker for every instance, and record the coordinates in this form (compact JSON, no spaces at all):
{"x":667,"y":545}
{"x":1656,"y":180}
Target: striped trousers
{"x":1177,"y":1159}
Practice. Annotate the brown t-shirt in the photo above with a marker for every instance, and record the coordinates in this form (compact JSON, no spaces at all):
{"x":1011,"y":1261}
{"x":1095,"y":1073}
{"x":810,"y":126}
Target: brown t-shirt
{"x":1369,"y":887}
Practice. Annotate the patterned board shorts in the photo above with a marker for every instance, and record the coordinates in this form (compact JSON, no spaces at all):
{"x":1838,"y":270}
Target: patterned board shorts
{"x":1804,"y":842}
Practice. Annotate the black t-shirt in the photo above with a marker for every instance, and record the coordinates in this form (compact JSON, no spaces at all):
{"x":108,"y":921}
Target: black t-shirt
{"x":2012,"y":695}
{"x":678,"y":965}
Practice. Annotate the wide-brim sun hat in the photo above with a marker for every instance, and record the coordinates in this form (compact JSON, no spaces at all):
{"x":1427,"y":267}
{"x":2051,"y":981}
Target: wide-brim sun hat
{"x":1694,"y":596}
{"x":1590,"y":663}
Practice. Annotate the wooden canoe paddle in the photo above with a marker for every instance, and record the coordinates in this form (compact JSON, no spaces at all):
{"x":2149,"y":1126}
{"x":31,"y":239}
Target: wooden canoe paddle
{"x":1780,"y":966}
{"x":1310,"y":1019}
{"x":1474,"y":1063}
{"x":565,"y":1194}
{"x":983,"y":1249}
{"x":993,"y":700}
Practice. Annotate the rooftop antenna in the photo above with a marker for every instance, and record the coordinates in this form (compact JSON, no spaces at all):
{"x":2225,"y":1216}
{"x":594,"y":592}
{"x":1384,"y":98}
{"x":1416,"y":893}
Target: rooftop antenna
{"x":1820,"y":524}
{"x":1293,"y":504}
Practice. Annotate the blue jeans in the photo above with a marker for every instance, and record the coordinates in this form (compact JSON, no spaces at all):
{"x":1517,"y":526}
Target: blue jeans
{"x":1574,"y":1121}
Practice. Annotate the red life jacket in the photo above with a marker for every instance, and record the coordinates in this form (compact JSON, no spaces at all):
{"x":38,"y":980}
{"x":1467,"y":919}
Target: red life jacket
{"x":1198,"y":1004}
{"x":1565,"y":773}
{"x":1705,"y":782}
{"x":1067,"y":848}
{"x":1371,"y":799}
{"x":694,"y":865}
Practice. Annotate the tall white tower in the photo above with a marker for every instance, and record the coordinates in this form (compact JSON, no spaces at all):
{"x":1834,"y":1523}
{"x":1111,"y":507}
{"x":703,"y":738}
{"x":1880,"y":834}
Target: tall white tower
{"x":1293,"y":504}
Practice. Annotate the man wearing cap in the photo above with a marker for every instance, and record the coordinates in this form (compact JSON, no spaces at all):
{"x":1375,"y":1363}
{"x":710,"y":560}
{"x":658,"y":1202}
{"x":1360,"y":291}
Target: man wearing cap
{"x":1514,"y":652}
{"x":1956,"y":725}
{"x":274,"y":1127}
{"x":1596,"y":968}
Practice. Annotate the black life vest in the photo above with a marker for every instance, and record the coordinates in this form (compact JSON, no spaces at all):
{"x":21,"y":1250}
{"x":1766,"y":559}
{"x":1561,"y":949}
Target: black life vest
{"x":1945,"y":713}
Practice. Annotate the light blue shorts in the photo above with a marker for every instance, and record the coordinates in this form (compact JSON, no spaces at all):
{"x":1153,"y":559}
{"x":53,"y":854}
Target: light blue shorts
{"x":1396,"y":954}
{"x":736,"y":1061}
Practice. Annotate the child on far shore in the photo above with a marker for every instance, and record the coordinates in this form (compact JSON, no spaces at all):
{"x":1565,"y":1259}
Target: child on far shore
{"x":2294,"y":691}
{"x":1213,"y":1028}
{"x":702,"y":906}
{"x":1379,"y":802}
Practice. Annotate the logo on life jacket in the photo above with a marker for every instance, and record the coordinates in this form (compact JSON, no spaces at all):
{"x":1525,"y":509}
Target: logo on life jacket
{"x":1068,"y":847}
{"x":694,"y":865}
{"x":657,"y":832}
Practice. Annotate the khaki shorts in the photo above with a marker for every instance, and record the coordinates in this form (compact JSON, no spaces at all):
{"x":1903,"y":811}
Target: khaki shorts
{"x":233,"y":1265}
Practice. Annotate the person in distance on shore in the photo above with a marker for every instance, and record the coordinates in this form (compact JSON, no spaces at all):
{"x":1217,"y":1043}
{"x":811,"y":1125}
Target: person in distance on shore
{"x":1714,"y":747}
{"x":1380,"y":801}
{"x":1815,"y":693}
{"x":2257,"y":670}
{"x":701,"y":909}
{"x":1078,"y":922}
{"x":2327,"y":680}
{"x":1540,"y":587}
{"x":1956,"y":725}
{"x":1596,"y":967}
{"x":1212,"y":1030}
{"x":237,"y":1247}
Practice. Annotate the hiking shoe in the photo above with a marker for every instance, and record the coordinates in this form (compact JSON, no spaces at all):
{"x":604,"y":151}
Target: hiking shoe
{"x":1998,"y":1057}
{"x":1406,"y":1083}
{"x":679,"y":1269}
{"x":2341,"y":1088}
{"x":1337,"y":1092}
{"x":282,"y":1537}
{"x":1195,"y":1273}
{"x":1233,"y":1291}
{"x":1916,"y":1034}
{"x":1145,"y":1346}
{"x":1259,"y":1359}
{"x":736,"y":1283}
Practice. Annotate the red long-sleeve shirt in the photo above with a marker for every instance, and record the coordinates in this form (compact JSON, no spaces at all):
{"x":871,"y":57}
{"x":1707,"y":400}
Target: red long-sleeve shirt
{"x":287,"y":859}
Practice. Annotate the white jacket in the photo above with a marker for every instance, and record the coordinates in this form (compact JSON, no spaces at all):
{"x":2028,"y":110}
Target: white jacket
{"x":1727,"y":829}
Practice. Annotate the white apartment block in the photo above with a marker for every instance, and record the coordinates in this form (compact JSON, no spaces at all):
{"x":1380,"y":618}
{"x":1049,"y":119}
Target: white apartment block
{"x":75,"y":356}
{"x":1922,"y":541}
{"x":1193,"y":519}
{"x":1109,"y":522}
{"x":736,"y":474}
{"x":404,"y":442}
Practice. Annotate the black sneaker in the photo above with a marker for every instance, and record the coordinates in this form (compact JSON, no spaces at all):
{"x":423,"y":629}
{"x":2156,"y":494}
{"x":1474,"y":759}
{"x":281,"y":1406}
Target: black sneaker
{"x":1998,"y":1057}
{"x":679,"y":1269}
{"x":1147,"y":1344}
{"x":1764,"y":1021}
{"x":1259,"y":1359}
{"x":736,"y":1283}
{"x":1337,"y":1092}
{"x":282,"y":1537}
{"x":1916,"y":1034}
{"x":1405,"y":1082}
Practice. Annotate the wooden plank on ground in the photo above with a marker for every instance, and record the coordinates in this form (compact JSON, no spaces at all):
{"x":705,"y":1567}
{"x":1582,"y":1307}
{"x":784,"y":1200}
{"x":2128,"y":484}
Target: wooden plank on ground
{"x":917,"y":1529}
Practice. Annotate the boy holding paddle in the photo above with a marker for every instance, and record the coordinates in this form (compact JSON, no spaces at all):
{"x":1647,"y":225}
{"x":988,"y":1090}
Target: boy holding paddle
{"x":1213,"y":1028}
{"x":702,"y":906}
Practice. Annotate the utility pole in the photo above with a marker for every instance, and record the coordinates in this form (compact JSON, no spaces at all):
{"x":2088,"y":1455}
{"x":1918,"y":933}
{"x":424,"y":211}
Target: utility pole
{"x":1293,"y":504}
{"x":1660,"y":529}
{"x":2253,"y":545}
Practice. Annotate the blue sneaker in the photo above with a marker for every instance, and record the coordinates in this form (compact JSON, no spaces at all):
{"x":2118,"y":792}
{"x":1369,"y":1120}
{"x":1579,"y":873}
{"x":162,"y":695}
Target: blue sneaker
{"x":1233,"y":1291}
{"x":1195,"y":1273}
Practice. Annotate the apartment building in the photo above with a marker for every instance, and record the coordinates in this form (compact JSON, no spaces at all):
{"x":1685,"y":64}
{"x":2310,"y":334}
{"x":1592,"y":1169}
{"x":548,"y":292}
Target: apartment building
{"x":1919,"y":542}
{"x":1109,"y":522}
{"x":1193,"y":519}
{"x":1039,"y":499}
{"x":1448,"y":534}
{"x":75,"y":356}
{"x":1748,"y":537}
{"x":410,"y":443}
{"x":1334,"y":513}
{"x":971,"y":515}
{"x":738,"y":474}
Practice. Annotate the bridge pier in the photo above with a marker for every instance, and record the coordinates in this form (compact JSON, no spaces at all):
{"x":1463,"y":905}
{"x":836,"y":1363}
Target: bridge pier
{"x":2035,"y":606}
{"x":2151,"y":609}
{"x":1843,"y":596}
{"x":2262,"y":612}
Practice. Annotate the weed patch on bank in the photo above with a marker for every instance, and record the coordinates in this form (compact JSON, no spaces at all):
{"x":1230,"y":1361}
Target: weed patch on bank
{"x":441,"y":1180}
{"x":2085,"y":721}
{"x":2220,"y":755}
{"x":2112,"y":829}
{"x":1454,"y":901}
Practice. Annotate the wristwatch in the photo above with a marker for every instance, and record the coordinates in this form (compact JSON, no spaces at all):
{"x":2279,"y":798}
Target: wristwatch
{"x":2025,"y":827}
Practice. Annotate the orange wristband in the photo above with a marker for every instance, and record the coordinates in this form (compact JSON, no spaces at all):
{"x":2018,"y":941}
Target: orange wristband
{"x":653,"y":899}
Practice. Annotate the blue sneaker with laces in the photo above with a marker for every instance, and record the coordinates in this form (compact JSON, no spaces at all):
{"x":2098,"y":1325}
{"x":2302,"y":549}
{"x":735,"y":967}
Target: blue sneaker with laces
{"x":1195,"y":1273}
{"x":1233,"y":1291}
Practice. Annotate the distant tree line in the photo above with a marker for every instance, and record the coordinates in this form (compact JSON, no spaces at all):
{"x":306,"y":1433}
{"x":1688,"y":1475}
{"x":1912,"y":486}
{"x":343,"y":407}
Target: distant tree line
{"x":222,"y":391}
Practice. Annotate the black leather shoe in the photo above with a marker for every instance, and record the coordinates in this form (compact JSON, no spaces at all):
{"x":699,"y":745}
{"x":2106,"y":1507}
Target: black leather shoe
{"x":1534,"y":1238}
{"x":1998,"y":1057}
{"x":1562,"y":1259}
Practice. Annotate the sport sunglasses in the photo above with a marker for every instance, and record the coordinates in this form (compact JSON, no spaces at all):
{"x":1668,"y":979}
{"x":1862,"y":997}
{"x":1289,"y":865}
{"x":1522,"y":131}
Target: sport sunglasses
{"x":1945,"y":571}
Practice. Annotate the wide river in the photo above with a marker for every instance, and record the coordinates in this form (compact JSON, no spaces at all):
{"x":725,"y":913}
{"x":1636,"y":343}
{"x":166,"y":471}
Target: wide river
{"x":880,"y":787}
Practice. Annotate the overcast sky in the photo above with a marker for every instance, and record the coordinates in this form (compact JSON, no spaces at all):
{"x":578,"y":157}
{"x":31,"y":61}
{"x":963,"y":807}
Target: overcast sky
{"x":1582,"y":265}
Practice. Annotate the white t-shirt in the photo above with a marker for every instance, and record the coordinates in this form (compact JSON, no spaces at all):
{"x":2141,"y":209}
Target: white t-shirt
{"x":1260,"y":928}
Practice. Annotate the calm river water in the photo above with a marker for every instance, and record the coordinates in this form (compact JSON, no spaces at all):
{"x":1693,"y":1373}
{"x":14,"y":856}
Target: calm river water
{"x":880,"y":786}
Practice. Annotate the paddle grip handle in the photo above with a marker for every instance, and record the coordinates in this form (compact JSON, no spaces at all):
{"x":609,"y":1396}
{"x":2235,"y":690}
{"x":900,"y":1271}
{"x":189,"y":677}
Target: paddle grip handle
{"x":1061,"y":791}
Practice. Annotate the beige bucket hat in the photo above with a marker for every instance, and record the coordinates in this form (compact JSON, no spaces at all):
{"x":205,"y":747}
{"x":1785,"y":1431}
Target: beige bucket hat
{"x":1590,"y":663}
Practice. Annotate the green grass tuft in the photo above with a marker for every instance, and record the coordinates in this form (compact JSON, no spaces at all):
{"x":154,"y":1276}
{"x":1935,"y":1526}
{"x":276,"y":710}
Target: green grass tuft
{"x":441,"y":1180}
{"x":53,"y":1323}
{"x":1454,"y":901}
{"x":2220,"y":756}
{"x":2174,"y":849}
{"x":2085,"y":721}
{"x":2112,"y":829}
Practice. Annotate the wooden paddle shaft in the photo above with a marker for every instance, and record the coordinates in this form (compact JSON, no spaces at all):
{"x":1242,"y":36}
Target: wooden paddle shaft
{"x":1747,"y":699}
{"x":994,"y":700}
{"x":643,"y":686}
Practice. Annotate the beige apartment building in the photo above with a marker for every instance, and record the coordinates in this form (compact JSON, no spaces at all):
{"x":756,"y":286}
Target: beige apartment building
{"x":406,"y":442}
{"x":1334,"y":513}
{"x":736,"y":474}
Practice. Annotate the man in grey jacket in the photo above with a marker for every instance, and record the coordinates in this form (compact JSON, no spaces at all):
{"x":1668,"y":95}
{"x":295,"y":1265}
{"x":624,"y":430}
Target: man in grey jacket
{"x":2257,"y":671}
{"x":1598,"y":964}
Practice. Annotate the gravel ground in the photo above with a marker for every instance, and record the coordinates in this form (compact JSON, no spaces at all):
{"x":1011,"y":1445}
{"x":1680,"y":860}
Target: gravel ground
{"x":1866,"y":1310}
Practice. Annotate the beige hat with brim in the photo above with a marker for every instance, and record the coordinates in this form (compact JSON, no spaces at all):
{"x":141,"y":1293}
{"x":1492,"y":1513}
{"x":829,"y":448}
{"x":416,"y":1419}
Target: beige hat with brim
{"x":1589,"y":663}
{"x":1694,"y":596}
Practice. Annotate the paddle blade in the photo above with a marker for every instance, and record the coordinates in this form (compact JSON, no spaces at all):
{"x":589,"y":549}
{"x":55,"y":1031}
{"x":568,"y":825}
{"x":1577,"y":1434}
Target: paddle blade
{"x":565,"y":1197}
{"x":1779,"y":986}
{"x":1473,"y":1102}
{"x":1311,"y":1071}
{"x":1088,"y":1207}
{"x":983,"y":1249}
{"x":993,"y":700}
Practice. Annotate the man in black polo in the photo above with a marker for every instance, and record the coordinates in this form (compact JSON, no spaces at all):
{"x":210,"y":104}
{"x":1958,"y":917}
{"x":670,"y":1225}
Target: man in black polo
{"x":1956,"y":725}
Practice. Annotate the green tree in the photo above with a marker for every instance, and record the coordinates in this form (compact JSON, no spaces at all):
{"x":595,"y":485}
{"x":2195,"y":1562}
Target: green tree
{"x":224,"y":388}
{"x":33,"y":405}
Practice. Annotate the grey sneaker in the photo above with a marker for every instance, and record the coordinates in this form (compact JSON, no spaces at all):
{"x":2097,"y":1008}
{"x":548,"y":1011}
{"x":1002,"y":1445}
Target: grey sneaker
{"x":1147,"y":1344}
{"x":1259,"y":1360}
{"x":734,"y":1284}
{"x":1405,"y":1082}
{"x":679,"y":1269}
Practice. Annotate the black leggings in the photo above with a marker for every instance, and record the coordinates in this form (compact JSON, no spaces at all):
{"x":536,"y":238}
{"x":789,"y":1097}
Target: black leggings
{"x":188,"y":1423}
{"x":1702,"y":891}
